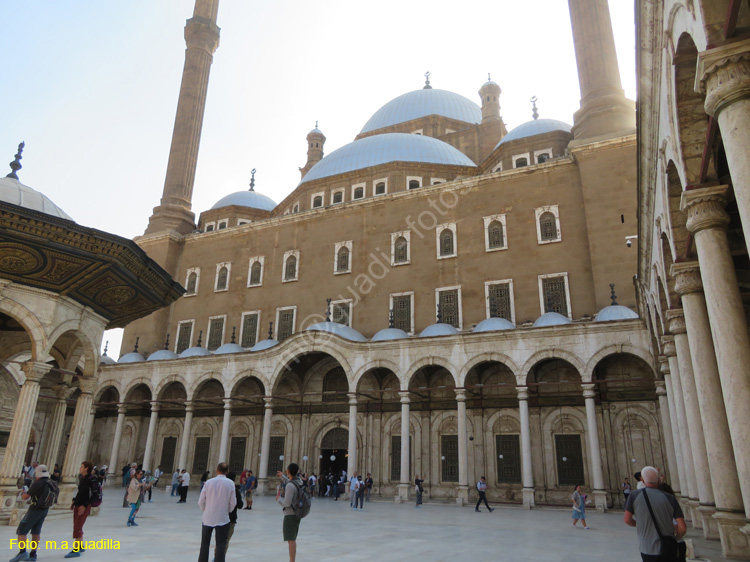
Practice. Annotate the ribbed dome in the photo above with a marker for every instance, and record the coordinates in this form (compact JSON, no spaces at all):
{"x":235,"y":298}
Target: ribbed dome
{"x":438,"y":330}
{"x":339,"y":329}
{"x":421,"y":103}
{"x":535,"y":127}
{"x":14,"y":192}
{"x":389,"y":334}
{"x":382,"y":149}
{"x":196,"y":351}
{"x":551,"y":319}
{"x":132,"y":357}
{"x":615,"y":312}
{"x":246,"y":199}
{"x":494,"y":325}
{"x":162,"y":355}
{"x":229,"y":348}
{"x":264,"y":344}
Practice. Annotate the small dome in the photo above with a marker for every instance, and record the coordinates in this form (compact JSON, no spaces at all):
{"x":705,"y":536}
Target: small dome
{"x":388,"y":334}
{"x":489,"y":83}
{"x":264,"y":344}
{"x":316,"y":131}
{"x":339,"y":329}
{"x":246,"y":199}
{"x":229,"y":348}
{"x":196,"y":351}
{"x":551,"y":319}
{"x":438,"y":330}
{"x":132,"y":357}
{"x":615,"y":312}
{"x":533,"y":128}
{"x":494,"y":325}
{"x":14,"y":192}
{"x":421,"y":103}
{"x":161,"y":355}
{"x":382,"y":149}
{"x":107,"y":360}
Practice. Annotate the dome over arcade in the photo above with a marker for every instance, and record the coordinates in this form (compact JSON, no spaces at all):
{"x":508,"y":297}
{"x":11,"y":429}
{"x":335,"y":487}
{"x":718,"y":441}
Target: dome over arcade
{"x":229,"y":348}
{"x":494,"y":325}
{"x":339,"y":329}
{"x":196,"y":351}
{"x":249,"y":198}
{"x":382,"y":149}
{"x":264,"y":344}
{"x":421,"y":103}
{"x":389,"y":334}
{"x":438,"y":329}
{"x":132,"y":357}
{"x":533,"y":128}
{"x":551,"y":319}
{"x":615,"y":312}
{"x":161,"y":355}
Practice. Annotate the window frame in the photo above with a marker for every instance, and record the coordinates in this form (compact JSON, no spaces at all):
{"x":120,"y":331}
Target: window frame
{"x":460,"y":303}
{"x":438,"y":231}
{"x":415,"y":178}
{"x":219,"y":222}
{"x":252,"y":261}
{"x":563,"y":274}
{"x":437,"y":181}
{"x":340,"y":190}
{"x":516,"y":157}
{"x":223,"y":330}
{"x":489,"y":220}
{"x":498,"y":167}
{"x":395,"y":236}
{"x":409,"y":294}
{"x":295,"y":207}
{"x":212,"y":224}
{"x":547,"y":151}
{"x":418,"y":132}
{"x":241,"y":222}
{"x":276,"y":324}
{"x":322,"y":195}
{"x":336,"y":247}
{"x":375,"y":184}
{"x":487,"y":285}
{"x":538,"y":212}
{"x":287,"y":254}
{"x":197,"y":271}
{"x":363,"y":185}
{"x":242,"y":325}
{"x":192,"y":332}
{"x":350,"y":302}
{"x":219,"y":266}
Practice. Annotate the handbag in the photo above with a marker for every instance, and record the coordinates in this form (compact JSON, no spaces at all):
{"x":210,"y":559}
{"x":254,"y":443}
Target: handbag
{"x":670,"y":550}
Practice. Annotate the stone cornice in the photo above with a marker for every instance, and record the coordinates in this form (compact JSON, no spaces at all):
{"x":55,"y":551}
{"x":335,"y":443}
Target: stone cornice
{"x":687,"y":278}
{"x":723,"y":75}
{"x":705,"y":208}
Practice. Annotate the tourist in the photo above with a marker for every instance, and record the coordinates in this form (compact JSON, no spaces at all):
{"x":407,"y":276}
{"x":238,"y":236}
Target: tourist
{"x":326,"y":481}
{"x":368,"y":487}
{"x":175,"y":482}
{"x":579,"y":508}
{"x":134,"y":496}
{"x":312,"y":482}
{"x":352,"y":490}
{"x":418,"y":489}
{"x":204,"y":478}
{"x":88,"y":487}
{"x":638,"y":479}
{"x":131,"y":473}
{"x":681,"y":545}
{"x":184,"y":484}
{"x":155,"y":482}
{"x":482,"y":490}
{"x":232,"y":514}
{"x":125,"y":477}
{"x":250,"y":485}
{"x":290,"y":487}
{"x":217,"y":499}
{"x":56,"y":473}
{"x":243,"y":483}
{"x":626,"y":489}
{"x":43,"y":495}
{"x":336,"y":483}
{"x":359,"y":493}
{"x":664,"y":518}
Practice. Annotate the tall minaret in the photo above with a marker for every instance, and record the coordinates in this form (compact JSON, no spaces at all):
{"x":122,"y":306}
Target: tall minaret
{"x":315,"y":142}
{"x":605,"y":111}
{"x":202,"y":39}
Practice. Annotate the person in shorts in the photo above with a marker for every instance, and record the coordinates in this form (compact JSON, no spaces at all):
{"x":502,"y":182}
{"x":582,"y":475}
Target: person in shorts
{"x":251,"y":482}
{"x":34,"y":518}
{"x":285,"y":496}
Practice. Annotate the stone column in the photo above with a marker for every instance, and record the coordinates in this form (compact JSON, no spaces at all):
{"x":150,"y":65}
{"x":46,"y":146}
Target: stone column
{"x":113,"y":465}
{"x":462,"y":491}
{"x":679,"y":480}
{"x":723,"y":75}
{"x":57,"y":425}
{"x":153,"y":422}
{"x":600,"y":494}
{"x":351,"y":464}
{"x":265,"y":446}
{"x":676,"y":321}
{"x":225,"y":430}
{"x":722,"y":466}
{"x":527,"y":474}
{"x":185,"y":443}
{"x":666,"y":425}
{"x":404,"y":485}
{"x":77,"y":444}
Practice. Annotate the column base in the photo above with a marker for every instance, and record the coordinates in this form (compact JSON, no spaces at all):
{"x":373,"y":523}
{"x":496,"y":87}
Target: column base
{"x":9,"y":497}
{"x":683,"y":501}
{"x":695,"y":515}
{"x":67,"y":493}
{"x":600,"y":500}
{"x":402,"y":493}
{"x":710,"y":525}
{"x":262,"y":487}
{"x":735,"y":542}
{"x":528,"y":498}
{"x":462,"y":495}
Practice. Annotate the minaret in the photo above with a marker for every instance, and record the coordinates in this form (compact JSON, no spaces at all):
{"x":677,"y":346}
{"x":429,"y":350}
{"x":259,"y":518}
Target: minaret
{"x":315,"y":141}
{"x":605,"y":111}
{"x":490,"y":94}
{"x":202,"y":39}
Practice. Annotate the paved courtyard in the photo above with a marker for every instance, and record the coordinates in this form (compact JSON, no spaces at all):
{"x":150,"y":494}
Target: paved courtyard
{"x":383,"y":531}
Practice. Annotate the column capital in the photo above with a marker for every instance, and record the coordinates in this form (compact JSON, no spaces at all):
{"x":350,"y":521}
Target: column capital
{"x":35,"y":370}
{"x":202,"y":33}
{"x":660,"y":388}
{"x":589,"y":390}
{"x":268,"y":402}
{"x":667,"y":344}
{"x":155,"y":406}
{"x":723,"y":75}
{"x":87,"y":385}
{"x":687,"y":278}
{"x":705,"y":207}
{"x":676,"y":321}
{"x":664,"y":365}
{"x":523,"y":392}
{"x":62,"y":391}
{"x":227,"y":403}
{"x":122,"y":409}
{"x":405,"y":399}
{"x":189,"y":407}
{"x":352,"y":398}
{"x":460,"y":394}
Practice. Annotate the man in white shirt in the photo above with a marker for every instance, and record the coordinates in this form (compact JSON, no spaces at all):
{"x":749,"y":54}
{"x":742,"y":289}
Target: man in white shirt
{"x":217,"y":499}
{"x":184,"y":483}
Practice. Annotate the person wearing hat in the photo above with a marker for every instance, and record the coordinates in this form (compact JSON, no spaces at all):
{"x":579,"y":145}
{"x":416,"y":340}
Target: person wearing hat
{"x":34,"y":517}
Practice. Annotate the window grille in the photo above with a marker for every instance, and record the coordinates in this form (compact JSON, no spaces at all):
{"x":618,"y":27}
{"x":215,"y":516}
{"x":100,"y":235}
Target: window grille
{"x":341,"y":313}
{"x":215,"y":333}
{"x":548,"y":226}
{"x":446,"y":242}
{"x":570,"y":470}
{"x":286,"y":324}
{"x":237,"y":454}
{"x":192,"y":283}
{"x":500,"y":305}
{"x":495,"y":235}
{"x":290,"y":271}
{"x":209,"y":228}
{"x":401,"y":250}
{"x":402,"y":313}
{"x":359,"y":192}
{"x":342,"y":261}
{"x":554,"y":295}
{"x":508,"y":467}
{"x":338,"y":197}
{"x":276,"y":450}
{"x":380,"y":188}
{"x":449,"y":450}
{"x":167,"y":454}
{"x":222,"y":225}
{"x":542,"y":158}
{"x":200,"y":459}
{"x":249,"y":330}
{"x":521,"y":162}
{"x":255,"y":273}
{"x":184,"y":334}
{"x":222,"y":278}
{"x":396,"y":458}
{"x":449,"y":307}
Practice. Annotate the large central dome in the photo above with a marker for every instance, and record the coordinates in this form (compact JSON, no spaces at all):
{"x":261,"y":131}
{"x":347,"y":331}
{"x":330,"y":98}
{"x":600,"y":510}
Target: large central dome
{"x":421,"y":103}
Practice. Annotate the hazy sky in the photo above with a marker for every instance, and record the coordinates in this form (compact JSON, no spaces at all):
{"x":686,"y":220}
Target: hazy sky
{"x":92,"y":86}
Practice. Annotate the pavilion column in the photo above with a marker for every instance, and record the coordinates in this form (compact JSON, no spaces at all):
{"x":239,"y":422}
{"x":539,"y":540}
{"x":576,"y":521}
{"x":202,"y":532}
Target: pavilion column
{"x":57,"y":425}
{"x":113,"y":465}
{"x":351,"y":464}
{"x":77,"y":443}
{"x":679,"y":480}
{"x":153,"y":422}
{"x":186,"y":428}
{"x":676,"y":321}
{"x":527,"y":474}
{"x":404,"y":485}
{"x":600,"y":494}
{"x":666,"y":425}
{"x":462,"y":492}
{"x":265,"y":446}
{"x":225,"y":430}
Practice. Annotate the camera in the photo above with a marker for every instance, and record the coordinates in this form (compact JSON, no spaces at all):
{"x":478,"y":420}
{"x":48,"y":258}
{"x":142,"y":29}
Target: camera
{"x":628,"y":243}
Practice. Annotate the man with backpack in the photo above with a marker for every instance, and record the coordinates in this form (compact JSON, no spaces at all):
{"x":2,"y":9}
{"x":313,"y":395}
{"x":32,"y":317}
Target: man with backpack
{"x":295,"y":500}
{"x":89,"y":495}
{"x":43,"y":493}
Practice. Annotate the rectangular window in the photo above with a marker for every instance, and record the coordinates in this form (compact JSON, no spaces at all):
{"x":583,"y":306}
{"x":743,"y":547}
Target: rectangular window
{"x":168,"y":449}
{"x":237,"y":454}
{"x":555,"y":294}
{"x":402,"y":312}
{"x":569,"y":460}
{"x":342,"y":313}
{"x":449,"y":450}
{"x":184,"y":336}
{"x":449,"y":302}
{"x":284,"y":323}
{"x":396,"y":457}
{"x":215,"y":333}
{"x":249,"y":336}
{"x":200,"y":459}
{"x":499,"y":296}
{"x":275,"y":463}
{"x":508,"y":452}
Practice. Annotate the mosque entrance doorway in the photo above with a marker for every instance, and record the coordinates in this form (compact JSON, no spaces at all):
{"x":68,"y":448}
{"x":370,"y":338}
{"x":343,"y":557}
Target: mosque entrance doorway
{"x":334,"y":451}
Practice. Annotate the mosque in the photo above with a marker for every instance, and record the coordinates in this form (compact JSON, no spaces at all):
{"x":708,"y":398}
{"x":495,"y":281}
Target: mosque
{"x":440,"y":297}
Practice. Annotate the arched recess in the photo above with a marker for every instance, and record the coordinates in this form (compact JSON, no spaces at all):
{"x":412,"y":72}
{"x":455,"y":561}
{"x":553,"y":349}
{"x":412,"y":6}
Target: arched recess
{"x":305,"y":350}
{"x":629,"y":352}
{"x":571,"y":358}
{"x":677,"y":225}
{"x":491,"y":383}
{"x":390,"y":466}
{"x":431,"y":362}
{"x":558,"y":426}
{"x":382,"y":364}
{"x":13,"y":318}
{"x":636,"y":437}
{"x":201,"y":381}
{"x":378,"y":385}
{"x":247,"y":394}
{"x":76,"y":346}
{"x":492,"y":357}
{"x":248,"y":383}
{"x":301,"y":384}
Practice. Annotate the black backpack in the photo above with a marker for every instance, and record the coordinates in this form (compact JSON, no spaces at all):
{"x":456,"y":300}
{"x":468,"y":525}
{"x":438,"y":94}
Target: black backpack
{"x":302,"y":501}
{"x":49,"y":495}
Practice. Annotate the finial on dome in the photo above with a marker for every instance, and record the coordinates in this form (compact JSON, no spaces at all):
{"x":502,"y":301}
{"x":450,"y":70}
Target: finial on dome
{"x":166,"y":342}
{"x":16,"y":164}
{"x":328,"y":309}
{"x":427,"y":81}
{"x":200,"y":338}
{"x":316,"y":123}
{"x":106,"y":346}
{"x":135,"y":347}
{"x":489,"y":79}
{"x":270,"y":330}
{"x":534,"y":112}
{"x":252,"y":180}
{"x":234,"y":329}
{"x":391,"y":320}
{"x":439,"y":315}
{"x":613,"y":296}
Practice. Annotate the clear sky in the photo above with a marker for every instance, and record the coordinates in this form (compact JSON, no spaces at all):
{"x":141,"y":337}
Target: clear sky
{"x":92,"y":85}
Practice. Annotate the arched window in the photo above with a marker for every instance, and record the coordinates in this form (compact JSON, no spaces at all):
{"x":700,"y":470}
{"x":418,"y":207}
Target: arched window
{"x":495,"y":235}
{"x":548,"y":227}
{"x":521,"y":162}
{"x":192,"y":283}
{"x":221,"y":280}
{"x":446,"y":242}
{"x":335,"y":386}
{"x":342,"y":260}
{"x":290,"y":269}
{"x":380,"y":188}
{"x":414,"y":184}
{"x":255,"y":272}
{"x":317,"y":201}
{"x":543,"y":157}
{"x":401,"y":250}
{"x":338,"y":197}
{"x":359,"y":192}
